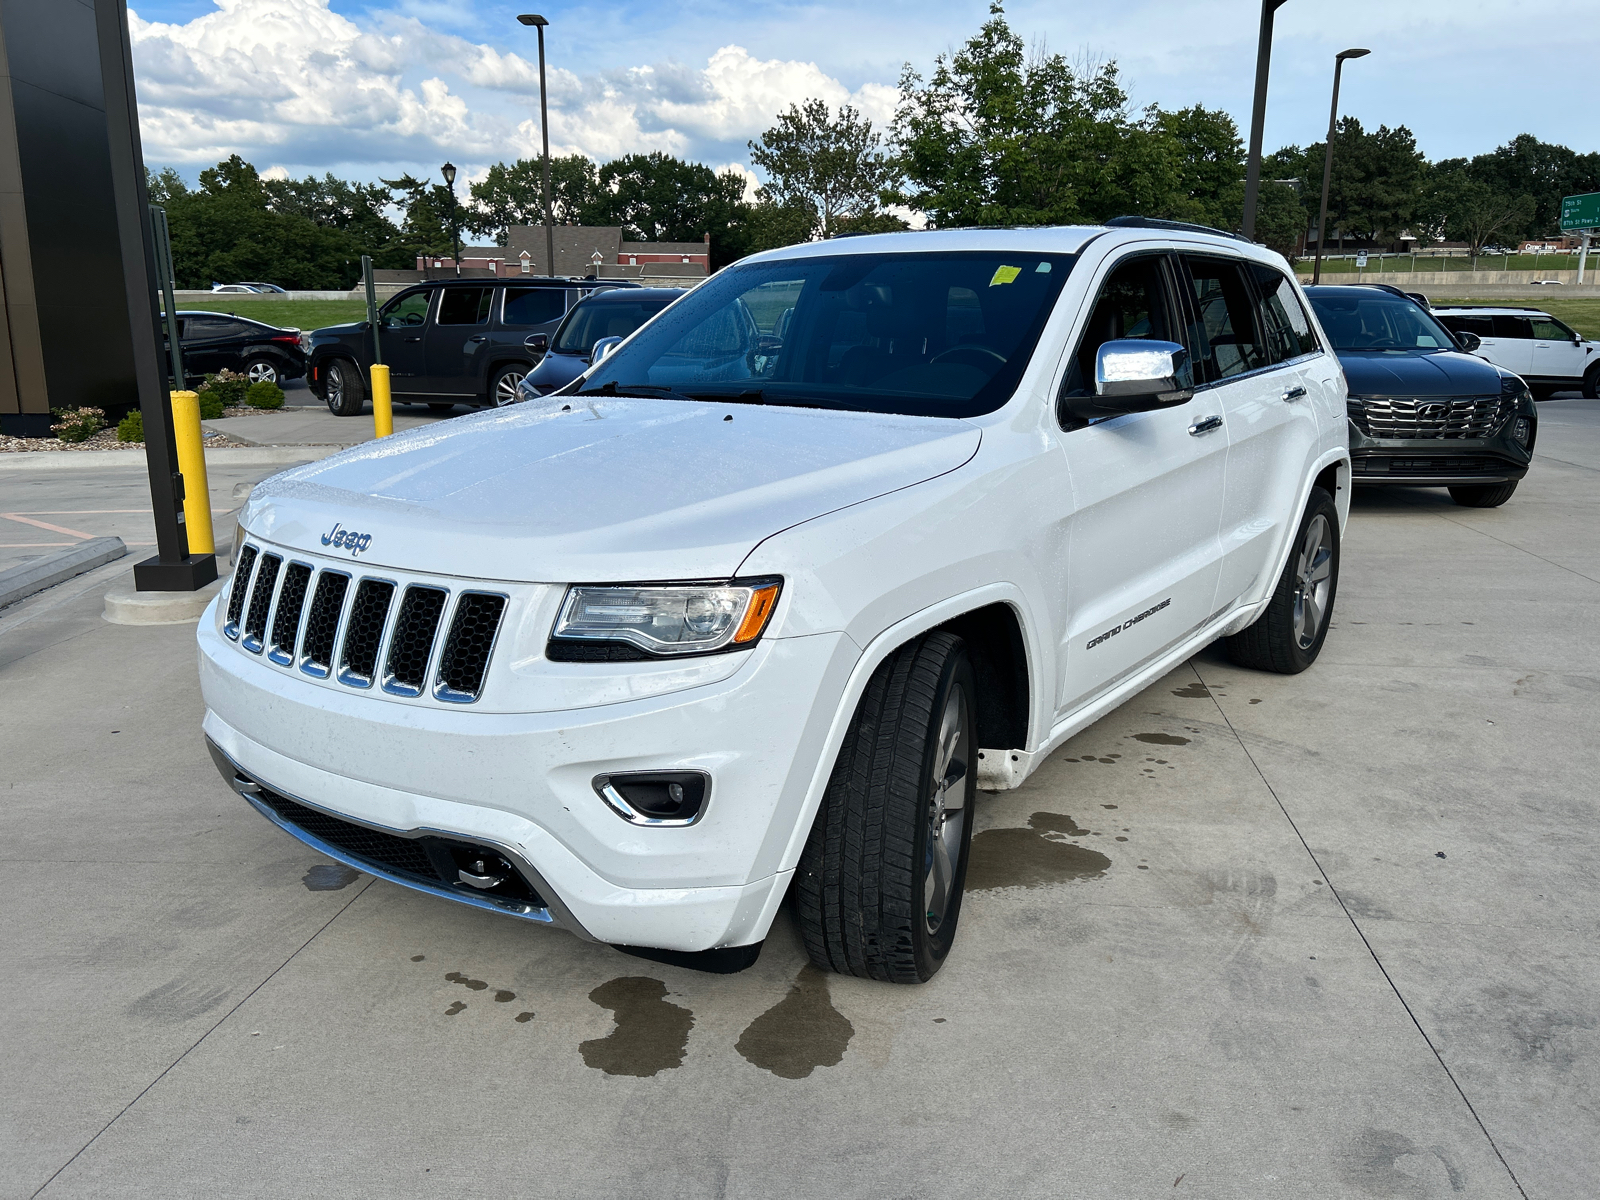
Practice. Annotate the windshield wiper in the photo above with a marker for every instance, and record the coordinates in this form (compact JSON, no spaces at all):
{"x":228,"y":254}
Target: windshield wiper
{"x":640,"y":391}
{"x":748,"y":396}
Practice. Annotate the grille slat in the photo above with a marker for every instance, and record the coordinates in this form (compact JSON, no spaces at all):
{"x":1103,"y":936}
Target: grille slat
{"x":286,"y":621}
{"x":411,"y":646}
{"x":1459,"y":418}
{"x":322,"y":626}
{"x":255,"y":620}
{"x":241,"y":585}
{"x":363,"y":633}
{"x":465,"y":660}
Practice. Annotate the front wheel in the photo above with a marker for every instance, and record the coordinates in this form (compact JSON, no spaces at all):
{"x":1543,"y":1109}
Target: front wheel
{"x":1288,"y":636}
{"x":878,"y":890}
{"x":1484,"y":495}
{"x":344,"y":389}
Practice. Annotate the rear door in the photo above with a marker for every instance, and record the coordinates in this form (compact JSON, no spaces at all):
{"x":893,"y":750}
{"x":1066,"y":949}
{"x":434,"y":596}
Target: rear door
{"x":1142,"y":550}
{"x":204,"y":341}
{"x":458,"y":342}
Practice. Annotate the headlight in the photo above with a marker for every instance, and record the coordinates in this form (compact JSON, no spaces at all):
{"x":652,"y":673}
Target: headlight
{"x":661,"y":620}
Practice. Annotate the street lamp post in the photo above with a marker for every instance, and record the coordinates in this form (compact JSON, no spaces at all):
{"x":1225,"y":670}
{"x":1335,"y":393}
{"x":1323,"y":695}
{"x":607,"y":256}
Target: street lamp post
{"x":1258,"y":116}
{"x":539,"y":22}
{"x":1327,"y":159}
{"x":449,"y":173}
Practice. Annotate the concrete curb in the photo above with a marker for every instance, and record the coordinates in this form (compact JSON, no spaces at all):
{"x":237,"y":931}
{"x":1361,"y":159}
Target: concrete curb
{"x":19,"y":583}
{"x":226,"y":456}
{"x":127,"y":606}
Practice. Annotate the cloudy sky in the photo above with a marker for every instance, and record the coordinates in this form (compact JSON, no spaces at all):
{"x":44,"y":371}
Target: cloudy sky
{"x":373,"y":87}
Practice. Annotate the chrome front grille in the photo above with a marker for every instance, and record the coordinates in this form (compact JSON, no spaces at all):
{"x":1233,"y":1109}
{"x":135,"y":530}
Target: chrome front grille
{"x":319,"y":616}
{"x":1460,"y":417}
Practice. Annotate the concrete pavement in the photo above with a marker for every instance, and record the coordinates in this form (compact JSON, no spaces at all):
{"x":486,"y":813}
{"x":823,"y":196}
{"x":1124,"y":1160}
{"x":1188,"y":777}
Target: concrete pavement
{"x":1249,"y":936}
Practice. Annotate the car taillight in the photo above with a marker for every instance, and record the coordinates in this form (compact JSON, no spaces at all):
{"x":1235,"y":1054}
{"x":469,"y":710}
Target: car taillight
{"x":292,"y":339}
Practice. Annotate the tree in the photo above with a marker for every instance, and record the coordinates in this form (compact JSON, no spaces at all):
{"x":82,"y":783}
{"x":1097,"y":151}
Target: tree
{"x":514,"y":195}
{"x":1210,"y":165}
{"x":658,"y":198}
{"x":1462,"y":208}
{"x":1376,"y":183}
{"x":834,"y":166}
{"x":429,"y":212}
{"x":1544,"y":173}
{"x":1281,"y":218}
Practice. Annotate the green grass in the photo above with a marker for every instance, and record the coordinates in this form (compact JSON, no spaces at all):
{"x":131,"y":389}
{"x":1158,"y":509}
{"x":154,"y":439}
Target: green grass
{"x":295,"y":314}
{"x":1582,"y":315}
{"x":1392,"y":263}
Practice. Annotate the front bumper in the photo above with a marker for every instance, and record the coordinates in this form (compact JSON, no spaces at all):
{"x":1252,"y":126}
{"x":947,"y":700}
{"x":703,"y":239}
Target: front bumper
{"x":522,"y":783}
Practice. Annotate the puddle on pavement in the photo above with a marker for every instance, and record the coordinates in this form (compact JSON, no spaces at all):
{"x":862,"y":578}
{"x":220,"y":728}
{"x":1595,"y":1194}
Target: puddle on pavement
{"x":1193,"y":691}
{"x":652,"y":1033}
{"x":329,"y":877}
{"x":801,"y":1032}
{"x":1032,"y":857}
{"x":1161,"y":739}
{"x":476,"y":985}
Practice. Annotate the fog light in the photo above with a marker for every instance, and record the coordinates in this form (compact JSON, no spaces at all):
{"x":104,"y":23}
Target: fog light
{"x":656,"y":797}
{"x":1519,"y":430}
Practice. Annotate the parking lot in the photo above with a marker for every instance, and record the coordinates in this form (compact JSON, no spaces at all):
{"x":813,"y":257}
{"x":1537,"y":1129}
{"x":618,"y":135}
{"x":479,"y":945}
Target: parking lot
{"x":1249,"y":936}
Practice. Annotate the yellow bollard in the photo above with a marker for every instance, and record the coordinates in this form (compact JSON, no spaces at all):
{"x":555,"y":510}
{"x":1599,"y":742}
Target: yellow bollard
{"x":382,"y":408}
{"x":192,"y":465}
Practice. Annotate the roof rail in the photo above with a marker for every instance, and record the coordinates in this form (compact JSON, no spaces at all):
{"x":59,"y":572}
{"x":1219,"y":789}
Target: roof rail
{"x":1177,"y":226}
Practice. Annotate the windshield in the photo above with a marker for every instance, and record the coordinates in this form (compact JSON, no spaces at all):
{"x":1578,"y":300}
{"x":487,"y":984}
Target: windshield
{"x":934,"y":334}
{"x":586,"y":324}
{"x":1378,"y":321}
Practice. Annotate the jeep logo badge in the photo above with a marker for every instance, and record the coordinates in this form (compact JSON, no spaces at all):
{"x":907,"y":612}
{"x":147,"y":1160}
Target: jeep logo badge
{"x":345,"y":539}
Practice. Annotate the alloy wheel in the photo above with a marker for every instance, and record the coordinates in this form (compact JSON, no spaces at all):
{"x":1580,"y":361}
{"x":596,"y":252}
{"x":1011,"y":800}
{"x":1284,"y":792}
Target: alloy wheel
{"x":1313,"y":580}
{"x":261,"y":372}
{"x":505,"y":388}
{"x":333,"y":389}
{"x":947,"y":809}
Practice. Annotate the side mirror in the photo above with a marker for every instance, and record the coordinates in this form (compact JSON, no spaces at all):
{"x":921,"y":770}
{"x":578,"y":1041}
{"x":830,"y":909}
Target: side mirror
{"x":1134,"y":375}
{"x":1469,"y":342}
{"x":602,"y":348}
{"x":538,"y":343}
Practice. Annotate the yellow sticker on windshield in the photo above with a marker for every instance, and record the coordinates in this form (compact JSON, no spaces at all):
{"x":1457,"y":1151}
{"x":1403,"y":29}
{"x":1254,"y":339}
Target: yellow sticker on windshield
{"x":1005,"y":275}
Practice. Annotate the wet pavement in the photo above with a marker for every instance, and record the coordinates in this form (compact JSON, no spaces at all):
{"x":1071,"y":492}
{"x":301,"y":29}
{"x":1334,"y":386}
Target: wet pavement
{"x":1248,"y":936}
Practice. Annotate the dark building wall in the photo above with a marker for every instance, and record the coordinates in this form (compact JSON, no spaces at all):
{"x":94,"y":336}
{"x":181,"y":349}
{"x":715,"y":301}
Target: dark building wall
{"x":65,"y":295}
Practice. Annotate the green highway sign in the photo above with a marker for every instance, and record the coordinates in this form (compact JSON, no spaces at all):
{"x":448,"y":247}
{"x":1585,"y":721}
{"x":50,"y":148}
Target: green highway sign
{"x":1581,"y":212}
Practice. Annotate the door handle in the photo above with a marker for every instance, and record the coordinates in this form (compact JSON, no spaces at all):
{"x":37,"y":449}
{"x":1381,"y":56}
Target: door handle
{"x":480,"y":338}
{"x":418,"y":338}
{"x":1295,"y":393}
{"x":1205,"y":425}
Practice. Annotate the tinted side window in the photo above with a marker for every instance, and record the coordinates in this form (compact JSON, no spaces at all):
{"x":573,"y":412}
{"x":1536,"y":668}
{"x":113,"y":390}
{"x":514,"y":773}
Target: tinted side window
{"x":534,"y":306}
{"x":1547,"y":330}
{"x":410,"y":309}
{"x":1482,"y":326}
{"x":1223,"y":330}
{"x":1513,"y":327}
{"x":464,"y":306}
{"x":1133,"y":303}
{"x":204,"y":328}
{"x":1288,"y":331}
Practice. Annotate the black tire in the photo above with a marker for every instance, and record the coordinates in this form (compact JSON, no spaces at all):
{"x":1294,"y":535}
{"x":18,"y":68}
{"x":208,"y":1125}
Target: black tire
{"x":1284,"y":639}
{"x":263,"y":370}
{"x":503,"y":385}
{"x":881,"y":853}
{"x":1591,"y":384}
{"x":1483,"y":495}
{"x":343,"y":388}
{"x":441,"y":409}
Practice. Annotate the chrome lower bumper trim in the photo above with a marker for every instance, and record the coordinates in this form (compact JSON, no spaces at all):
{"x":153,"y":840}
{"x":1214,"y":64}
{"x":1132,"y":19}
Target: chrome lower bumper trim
{"x":249,"y":787}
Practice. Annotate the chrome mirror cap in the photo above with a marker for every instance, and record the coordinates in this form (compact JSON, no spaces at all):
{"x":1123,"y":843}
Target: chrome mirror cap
{"x":602,"y":348}
{"x":1130,"y":367}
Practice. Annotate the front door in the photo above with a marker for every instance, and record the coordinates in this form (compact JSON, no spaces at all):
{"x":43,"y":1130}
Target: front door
{"x":458,"y":342}
{"x":403,"y":322}
{"x":1557,"y":353}
{"x":1143,"y":552}
{"x":1512,"y":344}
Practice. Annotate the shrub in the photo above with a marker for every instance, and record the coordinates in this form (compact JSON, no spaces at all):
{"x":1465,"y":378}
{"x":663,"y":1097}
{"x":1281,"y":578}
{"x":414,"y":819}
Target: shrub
{"x":210,"y":406}
{"x":265,"y":394}
{"x":227,"y":386}
{"x":131,"y":427}
{"x":77,"y":424}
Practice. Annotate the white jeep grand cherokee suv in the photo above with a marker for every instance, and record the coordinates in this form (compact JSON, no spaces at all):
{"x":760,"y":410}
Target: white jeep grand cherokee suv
{"x":850,"y":530}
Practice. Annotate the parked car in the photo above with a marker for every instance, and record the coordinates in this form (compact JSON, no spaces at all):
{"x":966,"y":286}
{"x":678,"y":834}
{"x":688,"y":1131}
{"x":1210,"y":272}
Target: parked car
{"x":603,"y":316}
{"x":847,"y":531}
{"x":265,"y":287}
{"x":216,"y":341}
{"x":447,"y":342}
{"x":234,"y":289}
{"x":1424,"y":412}
{"x":1548,"y":353}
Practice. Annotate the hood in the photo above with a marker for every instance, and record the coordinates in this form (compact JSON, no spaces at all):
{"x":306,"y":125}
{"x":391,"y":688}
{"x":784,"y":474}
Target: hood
{"x":621,"y":490}
{"x":557,"y":370}
{"x":1418,"y":375}
{"x":334,"y":331}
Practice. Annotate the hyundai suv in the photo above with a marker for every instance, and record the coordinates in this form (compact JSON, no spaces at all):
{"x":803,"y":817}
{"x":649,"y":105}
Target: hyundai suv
{"x":1549,"y":354}
{"x":446,"y":342}
{"x":1424,"y":412}
{"x":756,"y":604}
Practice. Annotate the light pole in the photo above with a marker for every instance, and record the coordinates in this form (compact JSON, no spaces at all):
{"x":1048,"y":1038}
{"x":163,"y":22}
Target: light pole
{"x":539,"y":22}
{"x":1258,"y":117}
{"x":449,"y":173}
{"x":1327,"y":159}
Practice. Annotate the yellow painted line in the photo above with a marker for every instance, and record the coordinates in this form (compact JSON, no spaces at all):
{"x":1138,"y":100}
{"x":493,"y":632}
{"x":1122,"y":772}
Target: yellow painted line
{"x":77,"y":533}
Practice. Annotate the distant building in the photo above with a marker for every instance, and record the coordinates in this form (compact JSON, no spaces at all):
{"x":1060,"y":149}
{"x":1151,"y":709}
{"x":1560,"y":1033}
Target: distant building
{"x":580,"y":250}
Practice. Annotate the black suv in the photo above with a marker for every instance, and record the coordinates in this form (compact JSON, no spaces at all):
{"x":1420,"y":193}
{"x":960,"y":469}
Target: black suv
{"x":446,"y":342}
{"x":1424,"y":412}
{"x":216,"y":341}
